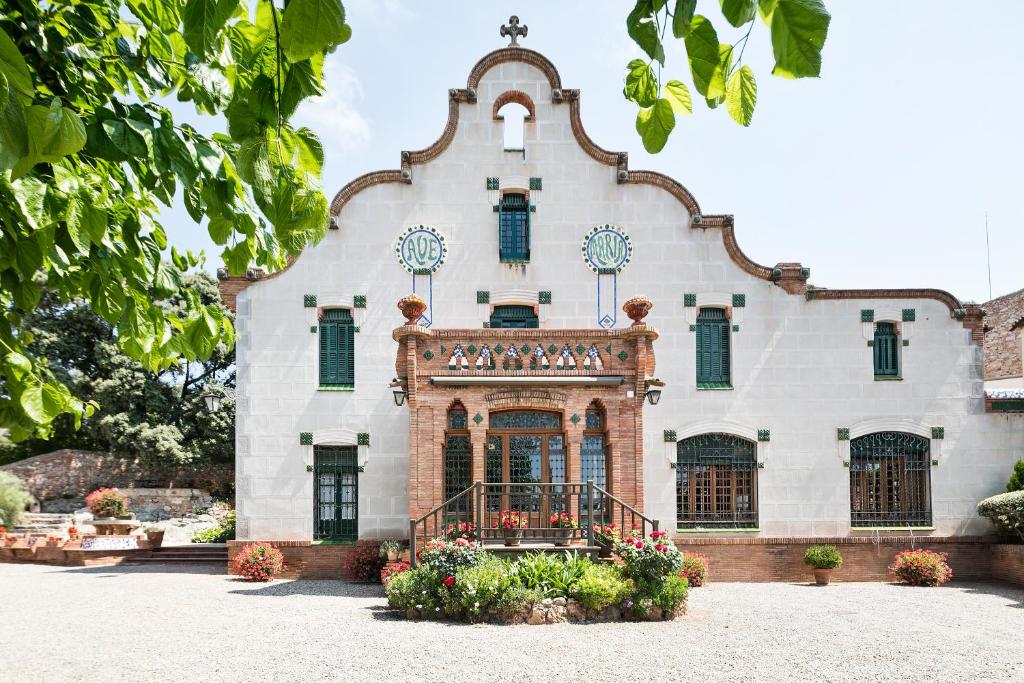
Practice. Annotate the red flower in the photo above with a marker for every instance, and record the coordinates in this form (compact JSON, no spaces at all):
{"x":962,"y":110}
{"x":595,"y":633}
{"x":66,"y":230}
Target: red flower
{"x":639,"y":545}
{"x":449,"y":581}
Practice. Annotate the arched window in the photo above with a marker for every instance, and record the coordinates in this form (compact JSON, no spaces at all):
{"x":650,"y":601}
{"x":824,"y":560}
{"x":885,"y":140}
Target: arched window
{"x":458,"y":471}
{"x":716,"y":481}
{"x":890,"y":480}
{"x":514,"y":115}
{"x":594,"y":453}
{"x":337,"y":348}
{"x":514,"y":228}
{"x":886,"y":346}
{"x":713,"y":357}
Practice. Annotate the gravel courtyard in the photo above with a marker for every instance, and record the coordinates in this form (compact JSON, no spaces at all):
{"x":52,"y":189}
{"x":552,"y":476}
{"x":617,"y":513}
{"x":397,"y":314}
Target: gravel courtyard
{"x":152,"y":623}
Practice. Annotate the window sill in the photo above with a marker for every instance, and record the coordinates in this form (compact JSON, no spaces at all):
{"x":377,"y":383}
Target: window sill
{"x":892,"y":529}
{"x":714,"y":386}
{"x":888,"y":378}
{"x":514,"y":261}
{"x":750,"y":530}
{"x":338,"y":387}
{"x":333,"y":542}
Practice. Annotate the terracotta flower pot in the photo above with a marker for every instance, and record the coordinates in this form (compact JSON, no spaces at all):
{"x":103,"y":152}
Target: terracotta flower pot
{"x":822,"y":576}
{"x":512,"y":536}
{"x":412,"y":308}
{"x":637,"y":309}
{"x":563,"y":537}
{"x":392,"y":556}
{"x":155,"y":538}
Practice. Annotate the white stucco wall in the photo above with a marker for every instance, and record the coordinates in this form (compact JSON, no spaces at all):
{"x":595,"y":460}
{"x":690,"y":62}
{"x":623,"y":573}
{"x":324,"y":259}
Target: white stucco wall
{"x":800,"y":368}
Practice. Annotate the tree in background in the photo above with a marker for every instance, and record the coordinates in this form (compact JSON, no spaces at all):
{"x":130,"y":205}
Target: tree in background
{"x":798,"y":31}
{"x":1016,"y":482}
{"x":160,"y":416}
{"x":88,"y":153}
{"x":14,"y":498}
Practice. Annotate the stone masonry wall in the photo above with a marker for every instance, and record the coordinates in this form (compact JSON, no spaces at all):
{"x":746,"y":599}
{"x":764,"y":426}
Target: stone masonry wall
{"x":61,"y":480}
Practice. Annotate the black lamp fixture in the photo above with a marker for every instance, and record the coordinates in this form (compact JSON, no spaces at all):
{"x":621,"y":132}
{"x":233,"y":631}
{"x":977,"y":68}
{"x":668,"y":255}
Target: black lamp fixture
{"x":398,"y":392}
{"x":653,"y":396}
{"x":212,"y":400}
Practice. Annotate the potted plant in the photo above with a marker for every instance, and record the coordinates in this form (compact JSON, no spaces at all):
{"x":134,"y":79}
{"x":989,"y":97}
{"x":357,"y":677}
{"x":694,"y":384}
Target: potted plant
{"x":53,"y":541}
{"x":512,"y":524}
{"x":104,"y":502}
{"x":3,"y":530}
{"x":11,"y":539}
{"x":565,"y":526}
{"x":823,"y":559}
{"x":607,"y":537}
{"x":73,"y":532}
{"x":155,"y":536}
{"x":390,"y":550}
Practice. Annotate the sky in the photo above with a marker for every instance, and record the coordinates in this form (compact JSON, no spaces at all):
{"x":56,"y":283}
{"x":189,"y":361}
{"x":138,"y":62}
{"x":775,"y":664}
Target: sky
{"x":878,"y":174}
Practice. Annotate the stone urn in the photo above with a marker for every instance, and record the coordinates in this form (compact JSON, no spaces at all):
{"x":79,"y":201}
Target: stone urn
{"x":637,"y":309}
{"x":412,"y":308}
{"x":822,"y":576}
{"x":563,"y":537}
{"x":512,"y":536}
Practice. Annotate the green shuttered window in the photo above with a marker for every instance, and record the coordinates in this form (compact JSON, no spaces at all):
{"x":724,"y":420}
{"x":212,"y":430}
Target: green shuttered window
{"x":713,"y":357}
{"x":514,"y":316}
{"x":337,"y":349}
{"x":514,"y":228}
{"x":336,"y":492}
{"x":886,"y":348}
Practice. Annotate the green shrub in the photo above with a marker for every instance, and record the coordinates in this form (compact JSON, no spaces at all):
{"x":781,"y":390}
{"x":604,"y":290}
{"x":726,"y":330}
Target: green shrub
{"x":218,"y":534}
{"x":1006,"y":511}
{"x":695,"y":569}
{"x":600,"y":586}
{"x":551,"y":575}
{"x":672,"y":593}
{"x":649,"y":559}
{"x":823,"y":557}
{"x":448,"y":557}
{"x":482,"y":586}
{"x":1016,"y":482}
{"x":14,"y":498}
{"x":417,"y":589}
{"x":922,"y":567}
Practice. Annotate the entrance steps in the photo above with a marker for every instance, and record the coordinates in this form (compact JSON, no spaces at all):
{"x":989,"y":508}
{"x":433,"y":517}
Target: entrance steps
{"x":182,"y":554}
{"x":513,"y":552}
{"x":42,"y":522}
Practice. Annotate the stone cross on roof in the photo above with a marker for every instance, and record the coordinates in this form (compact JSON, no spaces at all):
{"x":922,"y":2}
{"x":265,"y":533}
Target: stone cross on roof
{"x":514,"y":30}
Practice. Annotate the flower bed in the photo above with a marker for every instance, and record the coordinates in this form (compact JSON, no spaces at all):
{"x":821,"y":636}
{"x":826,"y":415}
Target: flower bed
{"x":458,"y":580}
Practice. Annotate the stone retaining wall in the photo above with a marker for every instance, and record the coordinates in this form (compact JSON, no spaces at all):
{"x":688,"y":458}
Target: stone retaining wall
{"x":150,"y":505}
{"x":61,"y":480}
{"x":1008,"y":563}
{"x":864,"y":559}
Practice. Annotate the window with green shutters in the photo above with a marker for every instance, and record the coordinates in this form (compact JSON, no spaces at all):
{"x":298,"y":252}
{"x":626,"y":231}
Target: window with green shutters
{"x":713,"y":357}
{"x":514,"y":316}
{"x":337,"y":348}
{"x":514,"y":228}
{"x":887,"y":348}
{"x":336,"y":493}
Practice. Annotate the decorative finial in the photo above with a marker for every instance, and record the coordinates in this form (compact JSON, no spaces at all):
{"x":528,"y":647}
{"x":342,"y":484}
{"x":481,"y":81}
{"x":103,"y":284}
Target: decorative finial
{"x":514,"y":30}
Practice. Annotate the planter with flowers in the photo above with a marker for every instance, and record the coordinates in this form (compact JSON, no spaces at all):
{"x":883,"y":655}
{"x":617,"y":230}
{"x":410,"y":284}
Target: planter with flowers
{"x":565,"y":526}
{"x":823,"y":559}
{"x":390,"y":549}
{"x":607,"y":537}
{"x":106,"y":503}
{"x":73,"y":532}
{"x":53,"y":541}
{"x":466,"y":530}
{"x":511,"y":524}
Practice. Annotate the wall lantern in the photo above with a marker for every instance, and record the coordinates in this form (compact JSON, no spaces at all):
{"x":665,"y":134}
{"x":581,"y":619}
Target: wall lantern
{"x":653,"y":396}
{"x":212,"y":400}
{"x":398,"y":392}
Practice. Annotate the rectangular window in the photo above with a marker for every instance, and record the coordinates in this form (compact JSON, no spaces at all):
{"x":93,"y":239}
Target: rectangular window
{"x":337,"y":348}
{"x":514,"y":316}
{"x":514,"y":228}
{"x":713,"y":367}
{"x":886,"y":348}
{"x":336,"y":493}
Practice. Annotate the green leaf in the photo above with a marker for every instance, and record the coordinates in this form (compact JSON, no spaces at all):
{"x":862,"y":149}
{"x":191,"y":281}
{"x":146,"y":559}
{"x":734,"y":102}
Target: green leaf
{"x":682,"y":16}
{"x":678,"y":95}
{"x":641,"y":84}
{"x":18,"y":364}
{"x":738,"y":12}
{"x":741,"y":95}
{"x":42,"y":403}
{"x":304,"y":79}
{"x":124,"y":138}
{"x":310,"y":27}
{"x":705,"y":60}
{"x":641,"y":27}
{"x":13,"y":66}
{"x":203,"y":22}
{"x":799,"y":29}
{"x":220,"y":229}
{"x":655,"y":124}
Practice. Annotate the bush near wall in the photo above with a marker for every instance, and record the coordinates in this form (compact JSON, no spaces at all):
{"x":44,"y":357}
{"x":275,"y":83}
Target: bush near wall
{"x":1006,"y":512}
{"x":14,"y":498}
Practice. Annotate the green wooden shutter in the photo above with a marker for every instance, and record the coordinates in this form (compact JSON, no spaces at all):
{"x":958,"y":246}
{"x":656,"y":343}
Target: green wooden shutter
{"x":713,"y":352}
{"x":514,"y":228}
{"x":886,"y":350}
{"x":337,"y":366}
{"x":514,"y":316}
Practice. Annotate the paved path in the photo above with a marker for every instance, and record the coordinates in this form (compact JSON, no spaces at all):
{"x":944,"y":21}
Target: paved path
{"x":155,"y":623}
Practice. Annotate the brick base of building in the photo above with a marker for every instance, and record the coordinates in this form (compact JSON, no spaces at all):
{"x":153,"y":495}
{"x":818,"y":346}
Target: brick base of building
{"x":302,"y":559}
{"x":1008,"y":563}
{"x":864,"y":559}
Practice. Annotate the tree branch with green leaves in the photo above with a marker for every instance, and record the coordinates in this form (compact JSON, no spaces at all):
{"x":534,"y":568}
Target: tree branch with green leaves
{"x":798,"y":32}
{"x":89,"y":152}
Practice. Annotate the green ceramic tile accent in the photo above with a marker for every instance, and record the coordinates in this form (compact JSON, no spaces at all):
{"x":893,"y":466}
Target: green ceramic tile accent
{"x":483,"y":297}
{"x":935,"y":463}
{"x":309,"y":300}
{"x":309,"y":468}
{"x":735,"y":328}
{"x":443,"y":349}
{"x":938,"y":432}
{"x":689,"y":300}
{"x":428,"y":354}
{"x":498,"y":348}
{"x":533,"y":208}
{"x":867,"y":315}
{"x":714,"y":385}
{"x":906,"y":342}
{"x":314,"y":329}
{"x":472,"y":349}
{"x":871,"y":342}
{"x":764,"y":435}
{"x":1006,"y":406}
{"x":843,"y":433}
{"x":670,"y":435}
{"x":909,"y":315}
{"x":575,"y":419}
{"x":478,"y":418}
{"x":579,"y":349}
{"x":487,"y":324}
{"x":544,"y":297}
{"x":422,"y":271}
{"x":623,"y":356}
{"x":492,"y":183}
{"x":693,"y":328}
{"x":361,"y":468}
{"x":359,"y":301}
{"x":536,"y":184}
{"x":760,"y":465}
{"x":739,"y":300}
{"x":959,"y":313}
{"x":363,"y":438}
{"x":504,"y":364}
{"x":305,"y":438}
{"x":608,"y":348}
{"x":496,"y":208}
{"x":524,"y":349}
{"x":846,"y":464}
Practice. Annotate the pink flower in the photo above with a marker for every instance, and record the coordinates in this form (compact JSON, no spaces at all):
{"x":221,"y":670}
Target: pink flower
{"x":449,"y":581}
{"x":639,"y":545}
